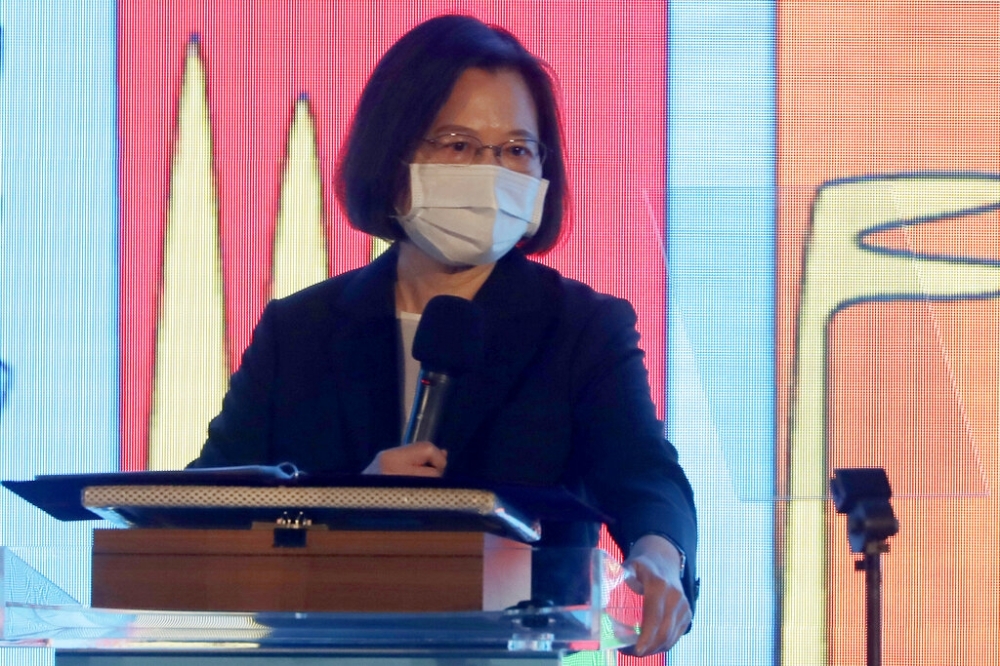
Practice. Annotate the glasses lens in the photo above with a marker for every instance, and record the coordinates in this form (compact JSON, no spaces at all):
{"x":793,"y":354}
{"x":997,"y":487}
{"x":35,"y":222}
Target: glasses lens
{"x":455,"y":148}
{"x":520,"y":154}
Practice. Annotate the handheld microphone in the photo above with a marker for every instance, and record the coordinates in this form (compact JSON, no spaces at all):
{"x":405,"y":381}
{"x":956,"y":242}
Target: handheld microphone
{"x":448,"y":343}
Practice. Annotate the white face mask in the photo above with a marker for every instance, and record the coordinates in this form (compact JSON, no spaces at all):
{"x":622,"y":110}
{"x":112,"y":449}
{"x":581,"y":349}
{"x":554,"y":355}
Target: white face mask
{"x":471,"y":215}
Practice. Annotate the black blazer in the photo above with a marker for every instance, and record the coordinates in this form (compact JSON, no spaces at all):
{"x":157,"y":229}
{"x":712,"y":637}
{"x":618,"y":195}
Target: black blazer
{"x":563,"y":397}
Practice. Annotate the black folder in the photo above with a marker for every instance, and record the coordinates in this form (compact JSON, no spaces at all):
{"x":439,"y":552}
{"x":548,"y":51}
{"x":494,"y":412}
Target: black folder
{"x":397,"y":502}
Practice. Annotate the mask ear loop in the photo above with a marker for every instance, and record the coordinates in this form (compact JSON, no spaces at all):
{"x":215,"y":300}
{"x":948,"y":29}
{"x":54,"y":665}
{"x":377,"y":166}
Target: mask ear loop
{"x":538,"y":211}
{"x":405,"y":190}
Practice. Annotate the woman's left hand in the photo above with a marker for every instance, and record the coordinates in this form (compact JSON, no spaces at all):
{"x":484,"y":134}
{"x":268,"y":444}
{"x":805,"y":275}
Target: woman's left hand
{"x":654,"y":571}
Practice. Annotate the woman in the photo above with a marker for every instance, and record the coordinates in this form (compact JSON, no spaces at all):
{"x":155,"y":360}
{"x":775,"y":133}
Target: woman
{"x":455,"y":154}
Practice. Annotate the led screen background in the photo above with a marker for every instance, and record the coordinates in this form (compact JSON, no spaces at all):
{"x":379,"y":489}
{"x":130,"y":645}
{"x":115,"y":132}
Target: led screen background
{"x":259,"y":63}
{"x":162,"y":153}
{"x":892,"y":109}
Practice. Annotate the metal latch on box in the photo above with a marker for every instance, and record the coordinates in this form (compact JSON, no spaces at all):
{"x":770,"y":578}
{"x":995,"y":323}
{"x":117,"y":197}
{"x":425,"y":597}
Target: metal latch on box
{"x":290,"y":532}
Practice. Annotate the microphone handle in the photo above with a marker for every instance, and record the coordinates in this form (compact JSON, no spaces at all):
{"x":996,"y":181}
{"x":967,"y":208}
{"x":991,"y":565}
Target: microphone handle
{"x":428,"y":406}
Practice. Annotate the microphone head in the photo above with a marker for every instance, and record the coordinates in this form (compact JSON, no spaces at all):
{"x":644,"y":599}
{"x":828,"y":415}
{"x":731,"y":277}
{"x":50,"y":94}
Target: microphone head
{"x":449,"y":338}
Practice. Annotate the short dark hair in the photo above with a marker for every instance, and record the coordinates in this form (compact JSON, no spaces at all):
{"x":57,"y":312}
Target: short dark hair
{"x":406,"y":90}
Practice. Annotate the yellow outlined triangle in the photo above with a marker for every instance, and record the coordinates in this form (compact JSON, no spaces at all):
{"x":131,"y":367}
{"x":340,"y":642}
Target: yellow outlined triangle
{"x":192,"y":367}
{"x":300,"y":254}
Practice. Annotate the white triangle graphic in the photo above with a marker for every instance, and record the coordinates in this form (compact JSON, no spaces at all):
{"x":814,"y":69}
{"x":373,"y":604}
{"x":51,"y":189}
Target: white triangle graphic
{"x":300,"y":256}
{"x":192,"y":368}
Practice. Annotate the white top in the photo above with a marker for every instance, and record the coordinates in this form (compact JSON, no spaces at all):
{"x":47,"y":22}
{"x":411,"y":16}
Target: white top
{"x":410,"y":368}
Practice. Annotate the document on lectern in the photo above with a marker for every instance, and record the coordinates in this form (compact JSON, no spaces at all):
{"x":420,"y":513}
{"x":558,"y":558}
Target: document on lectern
{"x":236,"y":497}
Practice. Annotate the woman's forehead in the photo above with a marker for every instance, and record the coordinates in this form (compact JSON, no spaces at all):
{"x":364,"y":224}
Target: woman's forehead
{"x":484,"y":102}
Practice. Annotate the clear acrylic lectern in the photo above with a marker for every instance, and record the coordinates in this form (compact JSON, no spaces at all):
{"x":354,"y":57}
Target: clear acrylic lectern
{"x":36,"y":613}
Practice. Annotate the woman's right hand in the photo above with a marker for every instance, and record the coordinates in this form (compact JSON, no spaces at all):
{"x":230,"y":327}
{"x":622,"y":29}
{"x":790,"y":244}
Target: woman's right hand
{"x":416,"y":459}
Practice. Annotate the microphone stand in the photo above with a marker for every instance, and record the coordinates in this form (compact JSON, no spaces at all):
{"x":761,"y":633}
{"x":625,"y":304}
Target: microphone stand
{"x":871,"y":564}
{"x":863,"y":494}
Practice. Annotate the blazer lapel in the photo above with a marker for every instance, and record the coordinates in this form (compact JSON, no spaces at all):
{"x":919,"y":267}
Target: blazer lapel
{"x":518,"y":309}
{"x":366,"y":348}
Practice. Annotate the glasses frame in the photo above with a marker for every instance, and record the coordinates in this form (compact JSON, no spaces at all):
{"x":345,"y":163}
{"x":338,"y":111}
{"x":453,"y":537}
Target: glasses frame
{"x":496,"y":148}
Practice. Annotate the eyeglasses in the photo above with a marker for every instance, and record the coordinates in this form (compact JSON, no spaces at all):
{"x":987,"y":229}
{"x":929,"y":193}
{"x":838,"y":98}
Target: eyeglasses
{"x":515,"y":154}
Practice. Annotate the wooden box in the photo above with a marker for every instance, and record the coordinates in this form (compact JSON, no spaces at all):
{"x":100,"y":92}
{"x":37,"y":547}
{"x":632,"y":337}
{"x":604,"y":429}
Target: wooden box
{"x":342,"y":571}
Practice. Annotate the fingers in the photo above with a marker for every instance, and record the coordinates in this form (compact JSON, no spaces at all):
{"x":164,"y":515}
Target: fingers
{"x":433,"y":456}
{"x":425,"y":471}
{"x":666,"y":613}
{"x":665,"y":617}
{"x":416,"y":459}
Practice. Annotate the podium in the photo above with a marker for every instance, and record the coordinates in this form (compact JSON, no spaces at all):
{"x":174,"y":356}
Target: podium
{"x":37,"y":614}
{"x":294,"y":589}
